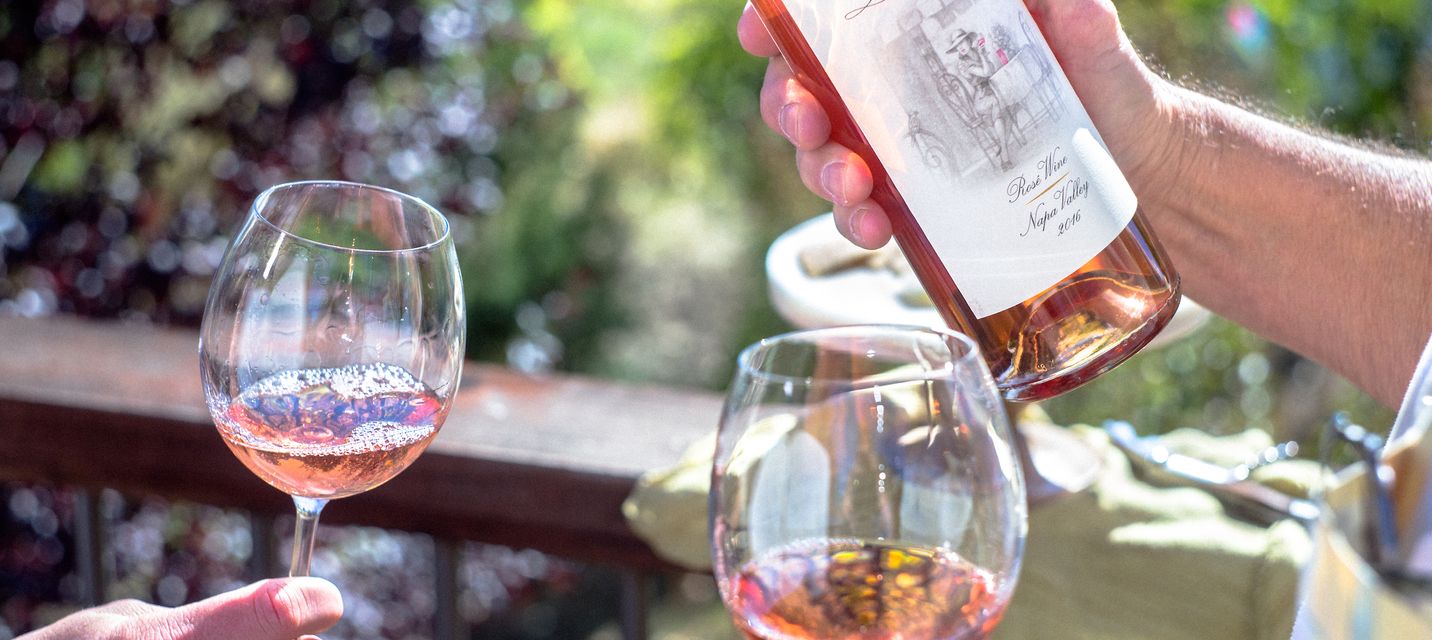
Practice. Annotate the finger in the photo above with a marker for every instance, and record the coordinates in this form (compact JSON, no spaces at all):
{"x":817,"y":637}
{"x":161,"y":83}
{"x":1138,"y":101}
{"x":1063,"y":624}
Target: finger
{"x":773,"y":91}
{"x":791,"y":110}
{"x":863,"y":223}
{"x":279,"y":609}
{"x":752,"y":33}
{"x":835,"y":173}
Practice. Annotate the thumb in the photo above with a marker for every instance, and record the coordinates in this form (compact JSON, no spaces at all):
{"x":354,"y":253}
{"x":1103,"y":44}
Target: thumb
{"x":279,"y":609}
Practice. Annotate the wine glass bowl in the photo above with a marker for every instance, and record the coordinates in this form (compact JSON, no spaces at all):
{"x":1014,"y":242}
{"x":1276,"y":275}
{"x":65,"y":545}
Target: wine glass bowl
{"x":332,"y":339}
{"x":865,"y":487}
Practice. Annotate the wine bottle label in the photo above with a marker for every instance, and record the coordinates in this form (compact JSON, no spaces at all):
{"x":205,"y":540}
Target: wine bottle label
{"x":965,"y":107}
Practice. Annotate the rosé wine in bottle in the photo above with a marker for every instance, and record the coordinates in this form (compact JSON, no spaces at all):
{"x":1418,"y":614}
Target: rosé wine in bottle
{"x":1000,"y":191}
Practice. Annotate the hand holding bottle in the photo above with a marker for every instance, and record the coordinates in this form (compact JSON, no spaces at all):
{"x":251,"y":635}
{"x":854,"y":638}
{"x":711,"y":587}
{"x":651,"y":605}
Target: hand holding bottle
{"x":1125,"y":99}
{"x":953,"y":129}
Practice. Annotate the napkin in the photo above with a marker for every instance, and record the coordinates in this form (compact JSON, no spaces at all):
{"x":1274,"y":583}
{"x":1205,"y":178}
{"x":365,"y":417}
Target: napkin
{"x":1122,"y":559}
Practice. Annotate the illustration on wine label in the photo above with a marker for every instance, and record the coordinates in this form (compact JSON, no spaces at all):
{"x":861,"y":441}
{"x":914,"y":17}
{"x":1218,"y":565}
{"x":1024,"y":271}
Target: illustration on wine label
{"x":994,"y":88}
{"x":964,"y":106}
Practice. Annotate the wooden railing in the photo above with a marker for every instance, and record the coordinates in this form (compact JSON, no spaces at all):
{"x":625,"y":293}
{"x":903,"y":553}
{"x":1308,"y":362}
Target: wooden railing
{"x":541,"y":463}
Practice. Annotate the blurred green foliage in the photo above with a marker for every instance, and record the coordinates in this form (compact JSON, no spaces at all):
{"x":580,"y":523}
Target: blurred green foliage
{"x":1356,"y":67}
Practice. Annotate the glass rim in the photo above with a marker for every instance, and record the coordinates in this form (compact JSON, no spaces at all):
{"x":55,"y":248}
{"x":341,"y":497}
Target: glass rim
{"x":971,"y":354}
{"x":256,"y":210}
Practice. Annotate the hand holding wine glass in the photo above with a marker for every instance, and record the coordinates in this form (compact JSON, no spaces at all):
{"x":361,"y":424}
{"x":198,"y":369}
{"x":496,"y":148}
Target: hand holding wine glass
{"x":865,"y":488}
{"x":332,"y":341}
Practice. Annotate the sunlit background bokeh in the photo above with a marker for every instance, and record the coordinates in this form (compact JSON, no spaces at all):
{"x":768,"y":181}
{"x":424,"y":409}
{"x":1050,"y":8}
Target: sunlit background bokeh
{"x":612,"y":190}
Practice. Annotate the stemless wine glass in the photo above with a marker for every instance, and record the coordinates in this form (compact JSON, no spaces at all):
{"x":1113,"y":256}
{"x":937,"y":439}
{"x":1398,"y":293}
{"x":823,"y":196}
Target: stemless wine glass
{"x":865,"y":487}
{"x":332,"y":341}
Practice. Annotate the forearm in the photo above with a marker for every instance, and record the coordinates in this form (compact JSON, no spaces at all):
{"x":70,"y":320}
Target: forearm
{"x":1316,"y":245}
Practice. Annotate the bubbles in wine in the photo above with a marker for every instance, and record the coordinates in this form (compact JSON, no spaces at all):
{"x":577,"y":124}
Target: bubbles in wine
{"x":335,"y":411}
{"x":329,"y":433}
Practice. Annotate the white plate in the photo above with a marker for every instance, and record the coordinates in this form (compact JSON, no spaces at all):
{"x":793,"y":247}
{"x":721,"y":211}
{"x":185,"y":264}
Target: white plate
{"x":869,"y":296}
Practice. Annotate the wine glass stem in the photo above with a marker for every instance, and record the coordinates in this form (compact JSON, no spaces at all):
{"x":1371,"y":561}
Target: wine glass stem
{"x":304,"y":531}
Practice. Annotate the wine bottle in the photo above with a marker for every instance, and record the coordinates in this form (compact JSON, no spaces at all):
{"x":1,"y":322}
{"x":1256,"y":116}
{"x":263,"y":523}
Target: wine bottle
{"x":1000,"y":191}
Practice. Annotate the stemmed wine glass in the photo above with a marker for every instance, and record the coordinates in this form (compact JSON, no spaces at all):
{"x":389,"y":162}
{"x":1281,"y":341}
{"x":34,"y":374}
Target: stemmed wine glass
{"x":332,"y":341}
{"x":865,"y":487}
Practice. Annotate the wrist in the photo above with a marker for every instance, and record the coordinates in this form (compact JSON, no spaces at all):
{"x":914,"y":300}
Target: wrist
{"x":1173,"y":137}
